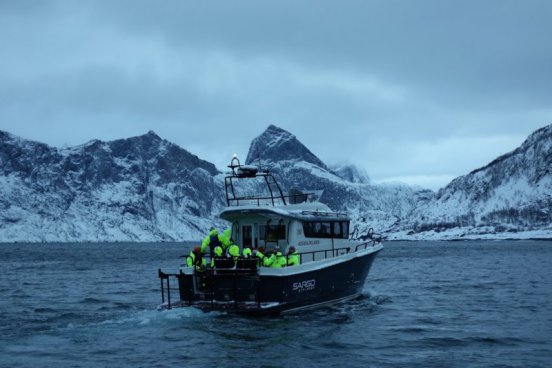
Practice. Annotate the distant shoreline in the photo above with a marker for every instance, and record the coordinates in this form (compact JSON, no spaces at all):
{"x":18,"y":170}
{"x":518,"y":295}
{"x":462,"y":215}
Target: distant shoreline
{"x":188,"y":242}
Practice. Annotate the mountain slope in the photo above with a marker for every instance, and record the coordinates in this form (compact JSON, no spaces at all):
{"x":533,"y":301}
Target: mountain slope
{"x":275,"y":145}
{"x":140,"y":188}
{"x":513,"y":193}
{"x":147,"y":189}
{"x":351,"y":173}
{"x":379,"y":206}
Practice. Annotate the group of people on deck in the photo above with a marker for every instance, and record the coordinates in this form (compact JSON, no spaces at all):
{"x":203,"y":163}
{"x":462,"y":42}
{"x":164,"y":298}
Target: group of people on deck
{"x":223,"y":246}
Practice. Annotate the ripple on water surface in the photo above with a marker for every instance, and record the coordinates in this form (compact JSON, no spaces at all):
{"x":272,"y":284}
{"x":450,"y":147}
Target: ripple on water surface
{"x":424,"y":304}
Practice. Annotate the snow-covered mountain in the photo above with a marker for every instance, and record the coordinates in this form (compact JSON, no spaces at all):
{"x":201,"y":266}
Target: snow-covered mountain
{"x":278,"y":145}
{"x":140,"y":188}
{"x":379,"y":206}
{"x":351,"y":173}
{"x":148,"y":189}
{"x":512,"y":194}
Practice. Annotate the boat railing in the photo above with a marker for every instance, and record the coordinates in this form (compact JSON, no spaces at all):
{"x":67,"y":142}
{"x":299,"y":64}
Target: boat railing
{"x":247,"y":270}
{"x":304,"y":256}
{"x":370,"y":235}
{"x":272,"y":200}
{"x":366,"y":244}
{"x":318,"y":255}
{"x":166,"y":286}
{"x":315,"y":255}
{"x":324,"y":214}
{"x":273,"y":194}
{"x":335,"y":252}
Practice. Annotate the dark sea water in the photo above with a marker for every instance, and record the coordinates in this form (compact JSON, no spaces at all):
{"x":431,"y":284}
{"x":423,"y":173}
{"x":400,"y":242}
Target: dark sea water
{"x":425,"y":304}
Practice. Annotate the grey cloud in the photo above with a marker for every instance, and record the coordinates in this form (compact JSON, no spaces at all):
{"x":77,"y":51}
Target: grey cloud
{"x":453,"y":48}
{"x":375,"y":82}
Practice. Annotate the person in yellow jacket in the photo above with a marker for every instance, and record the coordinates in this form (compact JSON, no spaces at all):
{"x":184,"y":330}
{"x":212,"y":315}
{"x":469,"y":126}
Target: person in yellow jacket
{"x":218,"y":254}
{"x":293,"y":258}
{"x":225,"y":238}
{"x":211,"y":241}
{"x":233,"y":250}
{"x":246,"y":252}
{"x":279,"y":260}
{"x":266,"y":258}
{"x":195,"y":259}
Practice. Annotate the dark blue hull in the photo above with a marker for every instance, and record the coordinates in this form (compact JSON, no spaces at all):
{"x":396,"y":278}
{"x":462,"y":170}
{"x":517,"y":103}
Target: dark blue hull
{"x":255,"y":293}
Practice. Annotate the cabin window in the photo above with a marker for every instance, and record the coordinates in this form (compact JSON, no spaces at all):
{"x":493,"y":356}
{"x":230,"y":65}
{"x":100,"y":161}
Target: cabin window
{"x":317,"y":229}
{"x":340,"y":229}
{"x":326,"y":229}
{"x":345,"y":226}
{"x":272,"y":233}
{"x":337,"y":230}
{"x":308,"y":229}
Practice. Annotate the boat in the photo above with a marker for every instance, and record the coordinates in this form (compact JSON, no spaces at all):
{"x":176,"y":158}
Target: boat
{"x":333,"y":268}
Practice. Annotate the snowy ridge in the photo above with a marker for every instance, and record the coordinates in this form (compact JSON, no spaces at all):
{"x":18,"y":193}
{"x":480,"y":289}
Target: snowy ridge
{"x":276,"y":144}
{"x":145,"y":188}
{"x":137,"y":189}
{"x":510,"y":195}
{"x":351,"y":173}
{"x":381,"y":207}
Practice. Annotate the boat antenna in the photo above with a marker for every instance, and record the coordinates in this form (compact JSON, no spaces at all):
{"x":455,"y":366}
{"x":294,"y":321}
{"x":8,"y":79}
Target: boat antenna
{"x":235,"y":163}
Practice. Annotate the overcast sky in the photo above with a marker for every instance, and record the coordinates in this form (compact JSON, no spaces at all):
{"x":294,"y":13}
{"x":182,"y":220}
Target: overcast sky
{"x":416,"y":91}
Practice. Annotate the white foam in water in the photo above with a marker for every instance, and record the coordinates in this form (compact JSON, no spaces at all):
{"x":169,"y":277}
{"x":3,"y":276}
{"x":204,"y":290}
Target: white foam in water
{"x":148,"y":316}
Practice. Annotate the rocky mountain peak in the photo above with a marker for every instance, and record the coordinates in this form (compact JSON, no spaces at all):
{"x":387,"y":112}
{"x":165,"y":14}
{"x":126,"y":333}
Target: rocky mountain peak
{"x":18,"y":155}
{"x":144,"y":140}
{"x":537,"y":144}
{"x":147,"y":188}
{"x":351,"y":173}
{"x":273,"y":129}
{"x":146,"y":150}
{"x":121,"y":189}
{"x":511,"y":193}
{"x":4,"y":136}
{"x":539,"y":134}
{"x":151,"y":136}
{"x":276,"y":144}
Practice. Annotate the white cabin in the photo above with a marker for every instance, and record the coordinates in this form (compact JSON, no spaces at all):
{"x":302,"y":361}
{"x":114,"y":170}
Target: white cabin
{"x":309,"y":226}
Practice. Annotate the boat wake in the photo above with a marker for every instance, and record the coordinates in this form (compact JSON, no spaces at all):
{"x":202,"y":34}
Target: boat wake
{"x":151,"y":317}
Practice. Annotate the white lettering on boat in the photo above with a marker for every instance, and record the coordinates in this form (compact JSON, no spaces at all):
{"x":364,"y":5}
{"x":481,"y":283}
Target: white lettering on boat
{"x":304,"y":285}
{"x":309,"y":242}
